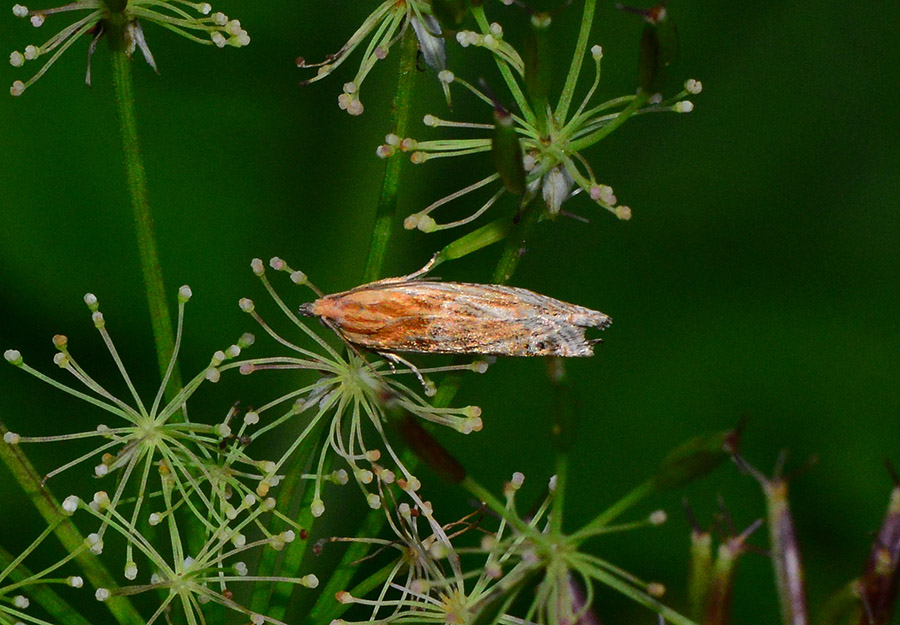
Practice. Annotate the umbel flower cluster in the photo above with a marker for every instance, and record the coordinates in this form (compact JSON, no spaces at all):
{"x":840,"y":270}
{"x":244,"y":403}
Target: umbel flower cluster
{"x":197,"y":481}
{"x":537,"y":150}
{"x":193,"y":479}
{"x":123,"y":19}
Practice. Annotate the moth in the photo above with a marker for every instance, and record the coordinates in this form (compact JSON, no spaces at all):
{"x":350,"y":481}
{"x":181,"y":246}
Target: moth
{"x":409,"y":314}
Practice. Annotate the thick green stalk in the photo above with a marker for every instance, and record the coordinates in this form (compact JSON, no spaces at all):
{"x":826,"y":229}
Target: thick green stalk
{"x":515,"y":244}
{"x":136,"y":179}
{"x":64,"y":529}
{"x":568,"y":92}
{"x":326,"y":606}
{"x":565,"y":417}
{"x":390,"y":187}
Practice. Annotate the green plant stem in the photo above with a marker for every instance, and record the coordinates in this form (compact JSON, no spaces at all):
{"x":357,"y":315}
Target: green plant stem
{"x":559,"y":491}
{"x":488,"y":234}
{"x":282,"y":593}
{"x":64,"y":529}
{"x":136,"y":178}
{"x":588,"y":140}
{"x":606,"y":517}
{"x":390,"y":187}
{"x":568,"y":91}
{"x":326,"y":607}
{"x":565,"y":417}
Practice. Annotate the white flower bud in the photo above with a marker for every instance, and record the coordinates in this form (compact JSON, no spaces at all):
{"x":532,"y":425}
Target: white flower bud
{"x":70,"y":504}
{"x":310,"y":581}
{"x":131,"y":571}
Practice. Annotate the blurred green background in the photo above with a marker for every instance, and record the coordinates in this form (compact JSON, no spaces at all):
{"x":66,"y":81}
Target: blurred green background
{"x":758,"y":277}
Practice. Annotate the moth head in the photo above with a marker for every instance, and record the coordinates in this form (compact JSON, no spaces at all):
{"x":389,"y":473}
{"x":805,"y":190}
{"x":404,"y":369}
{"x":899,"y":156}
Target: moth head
{"x":305,"y":310}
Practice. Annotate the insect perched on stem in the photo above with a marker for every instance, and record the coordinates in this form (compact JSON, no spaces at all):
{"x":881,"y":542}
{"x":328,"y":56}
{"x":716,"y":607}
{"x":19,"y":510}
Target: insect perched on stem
{"x":407,"y":314}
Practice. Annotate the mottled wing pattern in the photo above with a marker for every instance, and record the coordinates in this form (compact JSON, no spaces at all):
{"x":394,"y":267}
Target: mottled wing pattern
{"x":459,"y":318}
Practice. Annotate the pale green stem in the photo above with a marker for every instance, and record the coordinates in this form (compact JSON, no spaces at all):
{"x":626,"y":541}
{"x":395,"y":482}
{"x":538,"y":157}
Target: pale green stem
{"x":136,"y":179}
{"x":599,"y":523}
{"x":578,"y":145}
{"x":568,"y":92}
{"x":390,"y":187}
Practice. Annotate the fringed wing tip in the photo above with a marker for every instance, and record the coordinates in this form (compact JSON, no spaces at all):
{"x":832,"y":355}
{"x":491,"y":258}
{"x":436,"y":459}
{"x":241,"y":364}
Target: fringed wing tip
{"x":597,"y":320}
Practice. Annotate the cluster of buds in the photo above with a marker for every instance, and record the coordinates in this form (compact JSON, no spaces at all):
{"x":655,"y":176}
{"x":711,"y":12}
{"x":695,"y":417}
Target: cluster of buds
{"x":536,"y":151}
{"x":386,"y":25}
{"x":124,"y":19}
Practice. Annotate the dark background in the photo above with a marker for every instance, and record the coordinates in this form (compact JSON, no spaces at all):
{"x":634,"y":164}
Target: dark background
{"x":758,"y":277}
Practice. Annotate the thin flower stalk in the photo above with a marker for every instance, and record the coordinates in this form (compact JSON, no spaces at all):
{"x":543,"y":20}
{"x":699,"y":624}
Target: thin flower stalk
{"x":787,"y":561}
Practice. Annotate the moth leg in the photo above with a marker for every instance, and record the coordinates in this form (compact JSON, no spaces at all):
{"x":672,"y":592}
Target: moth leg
{"x":395,"y":359}
{"x":407,"y":278}
{"x":424,"y":270}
